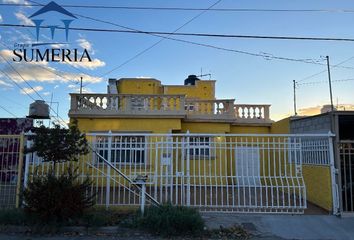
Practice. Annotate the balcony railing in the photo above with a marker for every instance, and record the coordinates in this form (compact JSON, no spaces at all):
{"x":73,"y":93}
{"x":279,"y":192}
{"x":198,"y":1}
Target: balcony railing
{"x":252,"y":113}
{"x":123,"y":105}
{"x":126,"y":104}
{"x":210,"y":109}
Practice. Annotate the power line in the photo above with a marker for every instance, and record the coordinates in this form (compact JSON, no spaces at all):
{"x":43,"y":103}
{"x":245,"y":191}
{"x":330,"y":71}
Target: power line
{"x":316,"y":74}
{"x":158,"y":42}
{"x":24,"y":90}
{"x":34,"y":90}
{"x":79,"y":70}
{"x":267,"y":56}
{"x":320,"y":82}
{"x":189,"y":9}
{"x":189,"y":34}
{"x":55,"y":71}
{"x":153,"y":45}
{"x":8,"y":111}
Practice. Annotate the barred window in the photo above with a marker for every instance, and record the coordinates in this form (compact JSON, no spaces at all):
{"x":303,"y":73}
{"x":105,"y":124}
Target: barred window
{"x":124,"y":149}
{"x":200,"y":147}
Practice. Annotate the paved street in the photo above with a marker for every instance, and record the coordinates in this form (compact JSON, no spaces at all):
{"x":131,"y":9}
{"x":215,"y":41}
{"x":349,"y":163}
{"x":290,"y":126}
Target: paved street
{"x":263,"y":227}
{"x":287,"y":226}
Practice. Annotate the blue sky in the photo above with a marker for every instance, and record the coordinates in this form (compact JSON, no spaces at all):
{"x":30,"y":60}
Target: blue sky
{"x":248,"y":79}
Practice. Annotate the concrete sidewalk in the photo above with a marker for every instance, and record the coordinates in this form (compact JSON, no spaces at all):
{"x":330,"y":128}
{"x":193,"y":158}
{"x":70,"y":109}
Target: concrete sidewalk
{"x":286,"y":226}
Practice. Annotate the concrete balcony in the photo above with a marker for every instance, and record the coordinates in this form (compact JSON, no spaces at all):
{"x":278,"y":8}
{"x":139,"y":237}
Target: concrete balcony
{"x":165,"y":106}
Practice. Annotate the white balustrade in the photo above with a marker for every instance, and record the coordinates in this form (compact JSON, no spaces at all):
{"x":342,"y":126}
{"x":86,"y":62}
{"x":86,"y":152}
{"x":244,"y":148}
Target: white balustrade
{"x":166,"y":105}
{"x":108,"y":104}
{"x":252,"y":112}
{"x":211,"y":109}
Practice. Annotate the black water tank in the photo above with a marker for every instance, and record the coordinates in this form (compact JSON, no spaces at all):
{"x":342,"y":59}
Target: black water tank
{"x":191,"y":80}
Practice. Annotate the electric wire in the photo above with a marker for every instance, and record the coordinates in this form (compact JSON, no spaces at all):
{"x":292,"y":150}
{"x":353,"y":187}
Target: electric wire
{"x":34,"y":90}
{"x":8,"y":111}
{"x":316,"y":74}
{"x":161,"y":34}
{"x":158,"y":42}
{"x":266,"y":56}
{"x":111,"y":7}
{"x":324,"y":81}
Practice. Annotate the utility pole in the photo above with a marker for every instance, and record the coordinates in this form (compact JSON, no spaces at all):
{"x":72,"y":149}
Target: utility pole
{"x":294,"y":86}
{"x":330,"y":83}
{"x":80,"y":85}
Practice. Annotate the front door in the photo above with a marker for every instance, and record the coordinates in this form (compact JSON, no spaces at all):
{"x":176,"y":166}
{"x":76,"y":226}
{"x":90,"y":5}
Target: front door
{"x":247,"y":166}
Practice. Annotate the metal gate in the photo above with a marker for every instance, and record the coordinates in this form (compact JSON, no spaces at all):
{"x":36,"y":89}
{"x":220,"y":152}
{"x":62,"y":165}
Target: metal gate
{"x":346,"y":152}
{"x":211,"y":172}
{"x":243,"y":173}
{"x":11,"y":153}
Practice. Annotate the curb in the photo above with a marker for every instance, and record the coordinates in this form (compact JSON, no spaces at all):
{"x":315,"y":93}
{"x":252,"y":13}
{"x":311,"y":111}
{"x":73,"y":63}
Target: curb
{"x":66,"y":230}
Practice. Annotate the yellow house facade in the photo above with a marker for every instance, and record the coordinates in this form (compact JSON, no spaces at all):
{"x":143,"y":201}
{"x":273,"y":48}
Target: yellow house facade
{"x":194,"y":149}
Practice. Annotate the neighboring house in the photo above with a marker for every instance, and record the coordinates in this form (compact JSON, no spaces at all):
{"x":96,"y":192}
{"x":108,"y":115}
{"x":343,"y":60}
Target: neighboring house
{"x":11,"y":147}
{"x":9,"y":126}
{"x":341,"y":123}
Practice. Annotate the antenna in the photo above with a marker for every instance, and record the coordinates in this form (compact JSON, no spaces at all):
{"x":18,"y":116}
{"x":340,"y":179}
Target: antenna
{"x":203,"y":75}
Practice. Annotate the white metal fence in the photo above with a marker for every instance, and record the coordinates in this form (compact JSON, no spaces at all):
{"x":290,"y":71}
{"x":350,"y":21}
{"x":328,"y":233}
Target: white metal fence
{"x":316,"y":151}
{"x":212,"y":172}
{"x":10,"y":169}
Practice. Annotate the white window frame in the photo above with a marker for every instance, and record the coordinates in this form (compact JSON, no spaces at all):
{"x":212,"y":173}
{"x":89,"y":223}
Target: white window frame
{"x":204,"y":143}
{"x":123,"y":146}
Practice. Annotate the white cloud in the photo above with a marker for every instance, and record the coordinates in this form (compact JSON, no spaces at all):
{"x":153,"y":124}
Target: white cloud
{"x":84,"y":43}
{"x":28,"y":90}
{"x":58,"y":45}
{"x":84,"y":90}
{"x":14,"y":1}
{"x":5,"y":84}
{"x":95,"y":63}
{"x":1,"y":19}
{"x":46,"y":93}
{"x":72,"y":86}
{"x":76,"y":88}
{"x":23,"y":19}
{"x":8,"y":55}
{"x":144,"y":77}
{"x":317,"y":109}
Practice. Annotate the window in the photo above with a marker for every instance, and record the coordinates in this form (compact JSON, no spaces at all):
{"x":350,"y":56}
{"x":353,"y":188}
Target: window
{"x":200,"y":147}
{"x":124,"y":149}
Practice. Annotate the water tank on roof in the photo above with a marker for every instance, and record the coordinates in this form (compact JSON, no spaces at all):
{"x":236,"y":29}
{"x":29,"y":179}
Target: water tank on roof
{"x":39,"y":110}
{"x":191,"y":80}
